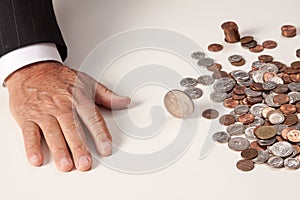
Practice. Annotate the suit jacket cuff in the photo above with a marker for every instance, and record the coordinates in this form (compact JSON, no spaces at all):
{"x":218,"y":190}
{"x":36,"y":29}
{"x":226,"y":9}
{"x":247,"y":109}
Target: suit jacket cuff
{"x":21,"y":57}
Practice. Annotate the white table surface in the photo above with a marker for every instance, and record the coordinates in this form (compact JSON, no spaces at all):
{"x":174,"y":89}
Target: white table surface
{"x":87,"y":23}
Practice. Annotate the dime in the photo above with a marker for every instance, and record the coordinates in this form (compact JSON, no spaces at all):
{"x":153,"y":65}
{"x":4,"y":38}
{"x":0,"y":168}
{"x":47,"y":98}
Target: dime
{"x":265,"y":132}
{"x":245,"y":165}
{"x":269,"y":85}
{"x":275,"y":162}
{"x":179,"y":104}
{"x":293,"y":135}
{"x":218,"y":97}
{"x":210,"y":114}
{"x":221,"y":137}
{"x":206,"y":80}
{"x":188,"y":82}
{"x":249,"y":154}
{"x":257,"y":49}
{"x":198,"y":55}
{"x":249,"y":133}
{"x":236,"y":129}
{"x":262,"y":157}
{"x":282,"y":149}
{"x":269,"y":44}
{"x":238,"y":143}
{"x":227,"y":120}
{"x":215,"y":47}
{"x":294,"y":87}
{"x":206,"y":62}
{"x":194,"y":93}
{"x":294,"y":96}
{"x":291,"y":163}
{"x":298,"y":53}
{"x":235,"y":58}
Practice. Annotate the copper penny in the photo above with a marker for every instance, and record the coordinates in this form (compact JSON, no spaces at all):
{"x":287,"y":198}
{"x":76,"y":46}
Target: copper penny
{"x":298,"y":53}
{"x":280,"y":65}
{"x":254,"y":100}
{"x":215,"y":47}
{"x":281,"y":99}
{"x":265,"y":58}
{"x":257,"y":86}
{"x":238,"y":64}
{"x":265,"y":132}
{"x":230,"y":103}
{"x":288,"y":109}
{"x":239,"y":89}
{"x":279,"y":138}
{"x":295,"y":65}
{"x":246,"y":118}
{"x":286,"y":78}
{"x":256,"y":146}
{"x":237,"y":96}
{"x":245,"y":165}
{"x":257,"y":49}
{"x":291,"y":120}
{"x":210,"y":114}
{"x":295,"y":78}
{"x":269,"y":44}
{"x":227,"y":120}
{"x":214,"y":67}
{"x":285,"y":131}
{"x":298,"y":106}
{"x":219,"y":74}
{"x":246,"y":39}
{"x":281,"y":89}
{"x":249,"y":154}
{"x":290,"y":70}
{"x":288,"y":31}
{"x":293,"y":136}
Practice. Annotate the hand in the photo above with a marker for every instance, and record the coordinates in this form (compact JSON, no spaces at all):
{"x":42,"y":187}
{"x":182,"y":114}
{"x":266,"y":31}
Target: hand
{"x":50,"y":99}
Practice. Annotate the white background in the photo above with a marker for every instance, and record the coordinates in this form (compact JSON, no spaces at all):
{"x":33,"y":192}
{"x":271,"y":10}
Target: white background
{"x":87,"y":23}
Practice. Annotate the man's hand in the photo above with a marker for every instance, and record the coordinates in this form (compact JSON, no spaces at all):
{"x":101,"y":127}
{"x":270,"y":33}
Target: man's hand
{"x":50,"y":99}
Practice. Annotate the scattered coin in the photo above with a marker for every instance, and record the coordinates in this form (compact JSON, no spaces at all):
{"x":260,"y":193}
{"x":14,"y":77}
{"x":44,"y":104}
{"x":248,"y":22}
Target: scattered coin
{"x":275,"y":162}
{"x":235,"y":58}
{"x":246,"y":39}
{"x":262,"y":157}
{"x":291,"y":163}
{"x":188,"y":82}
{"x":221,"y":137}
{"x":265,"y":132}
{"x":214,"y":67}
{"x":215,"y":47}
{"x":235,"y":129}
{"x":218,"y":97}
{"x":249,"y":154}
{"x":194,"y":93}
{"x":281,"y":149}
{"x":269,"y":44}
{"x":179,"y":104}
{"x":198,"y":55}
{"x":245,"y":165}
{"x":210,"y":114}
{"x":257,"y":49}
{"x":238,"y":143}
{"x":206,"y":62}
{"x":227,"y":120}
{"x":206,"y":80}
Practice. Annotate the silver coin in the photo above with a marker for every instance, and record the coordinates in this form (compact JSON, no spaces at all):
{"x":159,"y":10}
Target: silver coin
{"x":281,"y":149}
{"x":238,"y":143}
{"x":294,"y":97}
{"x":276,"y":117}
{"x":257,"y":122}
{"x":206,"y":62}
{"x":249,"y":133}
{"x":291,"y":163}
{"x":269,"y":85}
{"x":236,"y":116}
{"x":221,"y":137}
{"x":245,"y":83}
{"x":218,"y":97}
{"x":188,"y":82}
{"x":249,"y":45}
{"x":280,"y":127}
{"x":240,"y":75}
{"x":194,"y":93}
{"x":269,"y":100}
{"x":236,"y":129}
{"x":275,"y":162}
{"x":267,"y":142}
{"x":251,"y":93}
{"x":206,"y":80}
{"x":277,"y":80}
{"x":269,"y":67}
{"x":179,"y":104}
{"x":235,"y":58}
{"x":295,"y":87}
{"x":241,"y":109}
{"x":198,"y":55}
{"x":257,"y":64}
{"x":258,"y":76}
{"x":256,"y":109}
{"x":224,"y":84}
{"x":262,"y":157}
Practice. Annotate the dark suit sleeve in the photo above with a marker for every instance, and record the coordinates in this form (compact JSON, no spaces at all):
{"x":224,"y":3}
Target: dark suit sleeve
{"x":26,"y":22}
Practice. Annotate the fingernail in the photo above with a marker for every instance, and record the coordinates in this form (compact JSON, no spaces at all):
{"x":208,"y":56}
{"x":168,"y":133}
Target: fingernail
{"x":64,"y":162}
{"x":83,"y":161}
{"x":34,"y":159}
{"x":105,"y":148}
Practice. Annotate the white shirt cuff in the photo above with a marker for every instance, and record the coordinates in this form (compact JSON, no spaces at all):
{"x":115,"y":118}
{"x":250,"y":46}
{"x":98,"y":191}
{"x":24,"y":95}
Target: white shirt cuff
{"x":21,"y":57}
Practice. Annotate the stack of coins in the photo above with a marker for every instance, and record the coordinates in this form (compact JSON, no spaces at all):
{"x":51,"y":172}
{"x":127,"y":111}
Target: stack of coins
{"x":231,"y":32}
{"x":288,"y":31}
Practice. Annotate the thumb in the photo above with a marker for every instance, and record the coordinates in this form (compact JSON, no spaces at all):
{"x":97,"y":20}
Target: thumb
{"x":109,"y":99}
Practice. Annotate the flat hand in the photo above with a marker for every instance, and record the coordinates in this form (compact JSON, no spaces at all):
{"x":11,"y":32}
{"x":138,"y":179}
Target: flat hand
{"x":52,"y":100}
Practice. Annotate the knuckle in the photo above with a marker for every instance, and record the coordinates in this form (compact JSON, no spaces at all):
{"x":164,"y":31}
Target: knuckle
{"x":80,"y":147}
{"x":57,"y":149}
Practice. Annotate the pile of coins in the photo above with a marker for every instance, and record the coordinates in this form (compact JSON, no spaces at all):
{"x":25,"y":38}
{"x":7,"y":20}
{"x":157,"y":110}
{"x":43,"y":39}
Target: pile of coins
{"x":231,"y":32}
{"x":288,"y":31}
